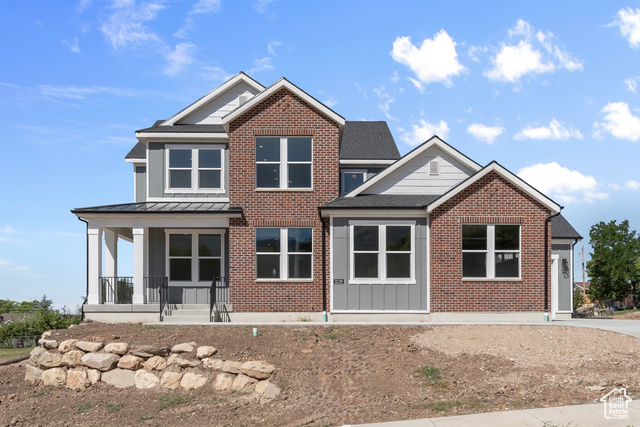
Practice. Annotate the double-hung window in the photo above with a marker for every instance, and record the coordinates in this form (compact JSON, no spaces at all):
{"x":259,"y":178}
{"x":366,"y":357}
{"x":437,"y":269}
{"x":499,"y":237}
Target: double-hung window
{"x":284,"y":253}
{"x":283,"y":162}
{"x":194,"y":257}
{"x":351,"y":179}
{"x":491,"y":251}
{"x":382,"y":253}
{"x":195,"y":169}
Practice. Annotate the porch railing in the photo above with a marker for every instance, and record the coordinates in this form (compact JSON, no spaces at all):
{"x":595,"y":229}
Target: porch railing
{"x":119,"y":290}
{"x":163,"y":294}
{"x":219,"y":294}
{"x":153,"y":285}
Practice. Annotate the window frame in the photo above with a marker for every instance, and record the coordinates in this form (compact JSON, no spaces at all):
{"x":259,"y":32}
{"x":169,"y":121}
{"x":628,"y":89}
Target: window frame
{"x":195,"y":254}
{"x":283,"y":163}
{"x":382,"y":253}
{"x":284,"y":256}
{"x":195,"y":168}
{"x":344,"y":172}
{"x":491,"y":251}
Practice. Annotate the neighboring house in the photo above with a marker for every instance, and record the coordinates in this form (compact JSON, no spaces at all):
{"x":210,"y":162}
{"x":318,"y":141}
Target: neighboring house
{"x":277,"y":207}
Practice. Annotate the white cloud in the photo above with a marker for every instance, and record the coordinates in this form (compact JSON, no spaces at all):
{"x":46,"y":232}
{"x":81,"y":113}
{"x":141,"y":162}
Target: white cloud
{"x":436,"y":61}
{"x":386,"y":101}
{"x":73,"y":47}
{"x":261,"y":64}
{"x":632,"y":83}
{"x":631,"y":184}
{"x":331,"y":102}
{"x":629,"y":22}
{"x":424,"y":130}
{"x":8,"y":230}
{"x":216,"y":74}
{"x":272,"y":46}
{"x":206,"y":6}
{"x":78,"y":92}
{"x":562,"y":184}
{"x":475,"y":52}
{"x":83,"y":5}
{"x":619,"y":121}
{"x":262,"y":5}
{"x":126,"y":26}
{"x":179,"y":58}
{"x":485,"y":133}
{"x":394,"y":77}
{"x":532,"y":54}
{"x":555,"y":131}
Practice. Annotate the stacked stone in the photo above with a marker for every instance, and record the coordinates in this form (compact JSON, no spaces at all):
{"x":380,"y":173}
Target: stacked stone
{"x":80,"y":364}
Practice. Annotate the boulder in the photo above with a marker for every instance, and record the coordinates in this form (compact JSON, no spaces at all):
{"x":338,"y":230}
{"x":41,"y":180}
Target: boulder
{"x":89,"y":346}
{"x":205,"y":351}
{"x":176,"y":359}
{"x":257,"y":369}
{"x":170,"y":380}
{"x":244,"y":383}
{"x":48,"y":360}
{"x":211,"y":363}
{"x":223,"y":382}
{"x":55,"y":377}
{"x":67,"y":345}
{"x":72,"y":358}
{"x":33,"y":374}
{"x":46,"y":335}
{"x":183,"y":348}
{"x":148,"y":351}
{"x":130,"y":362}
{"x":77,"y":379}
{"x":48,"y":344}
{"x":267,"y":391}
{"x":231,"y":367}
{"x":120,"y":378}
{"x":155,"y":363}
{"x":100,"y":361}
{"x":37,"y":351}
{"x":93,"y":376}
{"x":120,"y":348}
{"x":192,"y":381}
{"x":145,"y":380}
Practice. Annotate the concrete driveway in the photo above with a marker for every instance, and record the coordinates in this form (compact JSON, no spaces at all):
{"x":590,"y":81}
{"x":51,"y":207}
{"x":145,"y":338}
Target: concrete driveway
{"x":629,"y":327}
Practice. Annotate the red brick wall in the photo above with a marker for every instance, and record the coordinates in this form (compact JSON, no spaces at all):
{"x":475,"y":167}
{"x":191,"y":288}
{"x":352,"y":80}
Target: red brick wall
{"x":282,"y":114}
{"x":491,"y":200}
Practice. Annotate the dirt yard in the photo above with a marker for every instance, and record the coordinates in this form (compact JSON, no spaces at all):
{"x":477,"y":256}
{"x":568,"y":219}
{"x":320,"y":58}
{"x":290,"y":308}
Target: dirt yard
{"x":346,"y":375}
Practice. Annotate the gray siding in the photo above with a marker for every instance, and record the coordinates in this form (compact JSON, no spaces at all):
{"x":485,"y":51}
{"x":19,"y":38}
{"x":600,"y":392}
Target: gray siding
{"x":374,"y":296}
{"x":141,"y":183}
{"x":219,"y":107}
{"x":565,"y":285}
{"x":157,"y":254}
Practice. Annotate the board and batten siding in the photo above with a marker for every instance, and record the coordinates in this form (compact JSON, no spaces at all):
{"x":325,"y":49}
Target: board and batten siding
{"x":140,"y":181}
{"x":414,"y":177}
{"x":157,"y":174}
{"x":223,"y":104}
{"x":377,"y":297}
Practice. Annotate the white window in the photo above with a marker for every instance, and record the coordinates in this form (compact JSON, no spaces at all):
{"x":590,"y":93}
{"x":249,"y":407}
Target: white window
{"x":195,"y":169}
{"x":194,"y":256}
{"x":283,"y":162}
{"x":350,"y":179}
{"x":491,"y":251}
{"x":284,"y":253}
{"x":382,"y":252}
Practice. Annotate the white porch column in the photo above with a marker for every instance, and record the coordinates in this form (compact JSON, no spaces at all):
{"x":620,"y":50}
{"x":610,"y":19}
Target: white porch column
{"x":111,"y":255}
{"x":94,"y":264}
{"x":138,"y":265}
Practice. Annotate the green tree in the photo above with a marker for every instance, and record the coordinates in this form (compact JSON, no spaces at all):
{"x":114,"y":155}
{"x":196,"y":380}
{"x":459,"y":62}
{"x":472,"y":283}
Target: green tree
{"x":614,"y":267}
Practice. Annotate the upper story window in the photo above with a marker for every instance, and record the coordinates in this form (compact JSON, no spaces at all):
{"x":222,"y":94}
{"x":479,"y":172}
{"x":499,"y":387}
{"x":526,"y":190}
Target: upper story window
{"x":491,"y":251}
{"x":283,"y":162}
{"x":195,"y":169}
{"x":351,"y":179}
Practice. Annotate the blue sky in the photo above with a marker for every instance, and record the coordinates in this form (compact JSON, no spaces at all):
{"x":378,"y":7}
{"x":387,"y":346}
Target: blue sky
{"x":548,"y":89}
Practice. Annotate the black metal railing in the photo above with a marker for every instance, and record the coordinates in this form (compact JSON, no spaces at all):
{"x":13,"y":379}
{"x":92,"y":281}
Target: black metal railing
{"x":218,"y":295}
{"x":116,"y":290}
{"x":163,"y":294}
{"x":152,"y":287}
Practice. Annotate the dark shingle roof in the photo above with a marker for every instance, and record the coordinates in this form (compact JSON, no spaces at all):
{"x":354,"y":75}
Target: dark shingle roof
{"x":377,"y":201}
{"x":161,"y":207}
{"x":561,"y":229}
{"x":368,"y":141}
{"x":183,"y":128}
{"x":139,"y":151}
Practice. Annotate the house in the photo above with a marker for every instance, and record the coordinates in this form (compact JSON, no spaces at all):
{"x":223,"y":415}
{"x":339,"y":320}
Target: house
{"x":263,"y":204}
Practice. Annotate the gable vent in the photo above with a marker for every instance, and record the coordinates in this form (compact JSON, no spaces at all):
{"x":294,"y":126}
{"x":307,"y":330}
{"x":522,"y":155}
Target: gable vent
{"x":434,"y":167}
{"x":243,"y":98}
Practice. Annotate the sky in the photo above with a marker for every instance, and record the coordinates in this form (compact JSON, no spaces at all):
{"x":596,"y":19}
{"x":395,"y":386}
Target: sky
{"x":548,"y":89}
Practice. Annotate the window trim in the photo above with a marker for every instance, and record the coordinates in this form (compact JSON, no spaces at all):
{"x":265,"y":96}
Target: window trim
{"x":382,"y":253}
{"x":195,"y":254}
{"x":344,"y":172}
{"x":284,"y":256}
{"x":284,"y":163}
{"x":195,"y":168}
{"x":490,"y":254}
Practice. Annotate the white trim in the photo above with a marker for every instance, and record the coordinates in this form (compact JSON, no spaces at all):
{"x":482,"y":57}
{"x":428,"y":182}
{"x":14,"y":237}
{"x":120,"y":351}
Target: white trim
{"x":363,"y":162}
{"x":282,"y":83}
{"x":555,"y":282}
{"x":284,"y":257}
{"x":283,"y":165}
{"x":240,"y":77}
{"x":433,"y":141}
{"x":490,"y":255}
{"x":344,"y":172}
{"x":352,"y":213}
{"x":331,"y":264}
{"x":207,"y":199}
{"x":136,"y":162}
{"x":428,"y":263}
{"x":195,"y":272}
{"x":195,"y":168}
{"x":172,"y":136}
{"x":495,"y":167}
{"x":163,"y":221}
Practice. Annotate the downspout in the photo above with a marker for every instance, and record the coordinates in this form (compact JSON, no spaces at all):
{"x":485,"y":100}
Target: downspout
{"x":86,"y":265}
{"x":546,"y":264}
{"x":324,"y":270}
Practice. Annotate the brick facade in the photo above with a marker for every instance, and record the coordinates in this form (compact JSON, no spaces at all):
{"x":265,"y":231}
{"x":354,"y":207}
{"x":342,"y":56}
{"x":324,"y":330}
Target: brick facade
{"x":490,"y":200}
{"x":282,"y":114}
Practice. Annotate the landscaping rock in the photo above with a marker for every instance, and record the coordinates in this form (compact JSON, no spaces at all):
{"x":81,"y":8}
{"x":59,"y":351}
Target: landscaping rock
{"x":101,"y":361}
{"x":77,"y":379}
{"x":171,"y":380}
{"x":210,"y":363}
{"x":223,"y":382}
{"x":89,"y":346}
{"x":191,"y":381}
{"x":244,"y":383}
{"x":145,"y":380}
{"x":120,"y":378}
{"x":120,"y":348}
{"x":32,"y":374}
{"x":267,"y":391}
{"x":231,"y":367}
{"x":46,"y":335}
{"x":93,"y":376}
{"x":176,"y":359}
{"x":183,"y":348}
{"x":67,"y":345}
{"x":148,"y":351}
{"x":48,"y":344}
{"x":205,"y":351}
{"x":156,"y":363}
{"x":73,"y":358}
{"x":54,"y":377}
{"x":133,"y":363}
{"x":36,"y":352}
{"x":257,"y":369}
{"x":48,"y":360}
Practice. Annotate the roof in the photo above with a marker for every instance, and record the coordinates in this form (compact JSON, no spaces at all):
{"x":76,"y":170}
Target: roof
{"x":561,"y":229}
{"x":183,"y":128}
{"x":377,"y":201}
{"x":161,"y":208}
{"x":368,"y":140}
{"x":139,"y":151}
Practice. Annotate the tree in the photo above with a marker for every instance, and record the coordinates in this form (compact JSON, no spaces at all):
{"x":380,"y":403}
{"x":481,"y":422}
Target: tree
{"x":614,"y":267}
{"x":44,"y":303}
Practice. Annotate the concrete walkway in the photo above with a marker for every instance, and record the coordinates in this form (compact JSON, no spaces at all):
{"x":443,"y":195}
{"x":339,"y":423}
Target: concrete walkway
{"x":629,"y":327}
{"x":563,"y":416}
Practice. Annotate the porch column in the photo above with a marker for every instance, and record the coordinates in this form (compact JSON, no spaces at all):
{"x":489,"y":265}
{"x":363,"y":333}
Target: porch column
{"x":111,"y":255}
{"x":94,"y":263}
{"x":138,"y":265}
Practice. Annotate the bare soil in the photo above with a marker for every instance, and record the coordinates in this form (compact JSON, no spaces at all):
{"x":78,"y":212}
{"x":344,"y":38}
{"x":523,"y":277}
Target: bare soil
{"x":346,"y":375}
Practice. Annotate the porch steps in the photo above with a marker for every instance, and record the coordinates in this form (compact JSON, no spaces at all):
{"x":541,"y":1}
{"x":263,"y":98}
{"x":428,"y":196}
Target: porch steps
{"x":185,"y":314}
